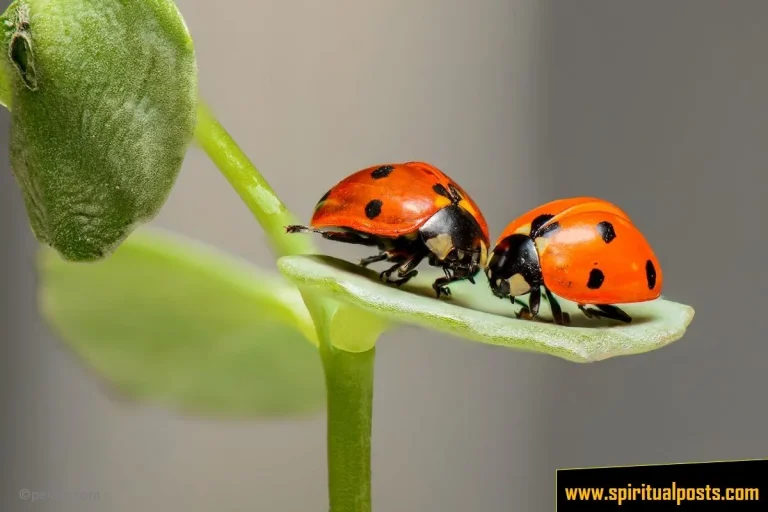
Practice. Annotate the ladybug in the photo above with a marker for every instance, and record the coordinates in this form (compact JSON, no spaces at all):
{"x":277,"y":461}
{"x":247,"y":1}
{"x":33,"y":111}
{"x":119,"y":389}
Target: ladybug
{"x":582,"y":249}
{"x":410,"y":211}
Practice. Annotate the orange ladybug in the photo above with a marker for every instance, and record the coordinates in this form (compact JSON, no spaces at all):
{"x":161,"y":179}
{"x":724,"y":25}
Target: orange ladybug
{"x":583,"y":249}
{"x":410,"y":211}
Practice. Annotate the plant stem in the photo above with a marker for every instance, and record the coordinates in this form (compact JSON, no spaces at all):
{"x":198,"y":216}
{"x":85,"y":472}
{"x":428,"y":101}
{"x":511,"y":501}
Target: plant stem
{"x":256,"y":193}
{"x":254,"y":190}
{"x":349,"y":383}
{"x":348,"y":375}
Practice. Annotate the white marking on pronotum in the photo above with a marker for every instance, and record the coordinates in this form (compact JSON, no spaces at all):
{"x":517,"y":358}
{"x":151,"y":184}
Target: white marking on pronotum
{"x":441,"y":245}
{"x":518,"y":285}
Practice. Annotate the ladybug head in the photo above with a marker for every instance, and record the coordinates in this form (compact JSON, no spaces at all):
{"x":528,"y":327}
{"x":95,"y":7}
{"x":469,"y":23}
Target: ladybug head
{"x":455,"y":239}
{"x":513,"y":268}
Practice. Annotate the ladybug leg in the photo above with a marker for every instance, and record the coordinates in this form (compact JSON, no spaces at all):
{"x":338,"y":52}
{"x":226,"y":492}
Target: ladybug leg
{"x":605,"y":311}
{"x":450,"y":277}
{"x":530,"y":312}
{"x":440,"y":284}
{"x":614,"y":313}
{"x":405,"y":271}
{"x":515,"y":300}
{"x":347,"y":237}
{"x":524,"y":311}
{"x":374,"y":259}
{"x":557,"y":312}
{"x":296,"y":228}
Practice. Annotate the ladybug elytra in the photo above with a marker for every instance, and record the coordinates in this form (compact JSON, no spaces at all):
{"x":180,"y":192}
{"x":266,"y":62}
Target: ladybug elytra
{"x":583,"y":249}
{"x":410,"y":211}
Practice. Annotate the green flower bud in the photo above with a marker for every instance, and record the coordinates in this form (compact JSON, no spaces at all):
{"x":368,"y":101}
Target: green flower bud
{"x":103,"y":98}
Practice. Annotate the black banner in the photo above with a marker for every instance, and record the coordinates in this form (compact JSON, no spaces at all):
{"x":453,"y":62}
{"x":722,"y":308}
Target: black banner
{"x":722,"y":486}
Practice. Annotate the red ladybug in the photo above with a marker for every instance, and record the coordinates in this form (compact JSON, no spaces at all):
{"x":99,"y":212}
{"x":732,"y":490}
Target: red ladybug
{"x":582,"y":249}
{"x":410,"y":211}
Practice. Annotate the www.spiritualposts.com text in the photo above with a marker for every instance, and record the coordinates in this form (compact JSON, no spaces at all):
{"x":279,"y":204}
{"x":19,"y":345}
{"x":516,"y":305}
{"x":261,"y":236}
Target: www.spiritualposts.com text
{"x":674,"y":493}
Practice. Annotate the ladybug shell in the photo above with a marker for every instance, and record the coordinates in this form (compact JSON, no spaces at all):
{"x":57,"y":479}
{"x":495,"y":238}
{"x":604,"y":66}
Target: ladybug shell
{"x":390,"y":200}
{"x":598,"y":257}
{"x":541,"y":216}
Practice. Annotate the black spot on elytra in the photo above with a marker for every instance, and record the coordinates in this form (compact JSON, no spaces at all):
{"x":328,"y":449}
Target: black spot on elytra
{"x":373,"y":209}
{"x":440,"y":189}
{"x":596,"y":278}
{"x":455,"y":191}
{"x":650,"y":274}
{"x":606,"y":231}
{"x":382,"y":172}
{"x":549,"y":228}
{"x":538,"y":222}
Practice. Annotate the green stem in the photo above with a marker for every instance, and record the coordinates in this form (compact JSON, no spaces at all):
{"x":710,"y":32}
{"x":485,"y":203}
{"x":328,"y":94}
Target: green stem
{"x":256,"y":193}
{"x":254,"y":190}
{"x":349,"y":376}
{"x":349,"y":383}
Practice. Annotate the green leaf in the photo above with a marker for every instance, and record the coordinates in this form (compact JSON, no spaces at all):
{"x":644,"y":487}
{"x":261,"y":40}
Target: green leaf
{"x":173,"y":322}
{"x":103,"y":98}
{"x":472,"y":312}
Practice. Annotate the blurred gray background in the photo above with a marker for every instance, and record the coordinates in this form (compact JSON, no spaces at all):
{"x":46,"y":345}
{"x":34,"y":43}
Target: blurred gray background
{"x":659,"y":106}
